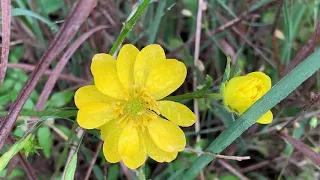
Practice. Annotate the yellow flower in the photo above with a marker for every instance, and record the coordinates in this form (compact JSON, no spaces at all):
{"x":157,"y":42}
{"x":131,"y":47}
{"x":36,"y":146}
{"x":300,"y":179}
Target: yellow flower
{"x":241,"y":92}
{"x":125,"y":105}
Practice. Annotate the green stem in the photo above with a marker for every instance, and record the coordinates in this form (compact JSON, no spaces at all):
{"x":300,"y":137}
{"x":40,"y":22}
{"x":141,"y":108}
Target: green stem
{"x":60,"y":113}
{"x":141,"y":175}
{"x":128,"y":25}
{"x":194,"y":95}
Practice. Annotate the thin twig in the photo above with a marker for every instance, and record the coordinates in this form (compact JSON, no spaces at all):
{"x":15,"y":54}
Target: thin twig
{"x":125,"y":170}
{"x":60,"y":65}
{"x":68,"y":30}
{"x":30,"y":68}
{"x":93,"y":161}
{"x":274,"y":38}
{"x":13,"y":43}
{"x":232,"y":170}
{"x":314,"y":100}
{"x":275,"y":127}
{"x":196,"y":59}
{"x":237,"y":158}
{"x":6,"y":29}
{"x":262,"y":164}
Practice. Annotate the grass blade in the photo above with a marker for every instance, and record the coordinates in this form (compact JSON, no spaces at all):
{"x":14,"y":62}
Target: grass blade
{"x":277,"y":93}
{"x":155,"y":25}
{"x":71,"y":167}
{"x":25,"y":12}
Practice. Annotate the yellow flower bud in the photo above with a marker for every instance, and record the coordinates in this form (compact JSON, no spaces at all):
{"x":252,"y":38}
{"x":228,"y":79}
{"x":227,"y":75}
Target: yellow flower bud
{"x":241,"y":92}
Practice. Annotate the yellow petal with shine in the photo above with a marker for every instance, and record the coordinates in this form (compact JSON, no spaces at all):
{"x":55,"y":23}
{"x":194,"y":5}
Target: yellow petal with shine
{"x":155,"y":152}
{"x":166,"y":135}
{"x":137,"y":160}
{"x":111,"y":132}
{"x":90,"y":94}
{"x":266,"y":118}
{"x":265,"y":79}
{"x":129,"y":141}
{"x":146,"y":60}
{"x":177,"y":113}
{"x":234,"y":96}
{"x":165,"y":78}
{"x":94,"y":115}
{"x":125,"y":65}
{"x":105,"y":75}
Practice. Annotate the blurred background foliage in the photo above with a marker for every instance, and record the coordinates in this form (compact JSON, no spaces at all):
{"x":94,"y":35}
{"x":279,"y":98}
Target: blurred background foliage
{"x":172,"y":24}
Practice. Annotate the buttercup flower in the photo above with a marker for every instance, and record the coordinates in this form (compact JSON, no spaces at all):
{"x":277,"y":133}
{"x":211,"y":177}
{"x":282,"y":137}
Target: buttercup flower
{"x":241,"y":92}
{"x":125,"y":105}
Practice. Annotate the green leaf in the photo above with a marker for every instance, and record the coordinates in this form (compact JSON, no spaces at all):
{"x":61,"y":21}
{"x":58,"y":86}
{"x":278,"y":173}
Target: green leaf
{"x":64,"y":129}
{"x":71,"y":167}
{"x":51,"y":6}
{"x":313,"y":122}
{"x":16,"y":174}
{"x":16,"y":53}
{"x":45,"y":140}
{"x":277,"y":93}
{"x":60,"y":99}
{"x":25,"y":12}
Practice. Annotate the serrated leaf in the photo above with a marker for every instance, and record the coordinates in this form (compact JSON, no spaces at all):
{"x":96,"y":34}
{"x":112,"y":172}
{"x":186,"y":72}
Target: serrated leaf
{"x":13,"y":150}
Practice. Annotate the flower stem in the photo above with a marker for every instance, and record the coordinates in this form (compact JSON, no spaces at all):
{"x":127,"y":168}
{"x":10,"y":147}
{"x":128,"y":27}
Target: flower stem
{"x":128,"y":25}
{"x":194,"y":95}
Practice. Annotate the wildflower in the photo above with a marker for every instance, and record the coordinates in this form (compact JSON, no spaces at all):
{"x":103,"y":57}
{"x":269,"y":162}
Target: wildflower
{"x":241,"y":92}
{"x":125,"y":105}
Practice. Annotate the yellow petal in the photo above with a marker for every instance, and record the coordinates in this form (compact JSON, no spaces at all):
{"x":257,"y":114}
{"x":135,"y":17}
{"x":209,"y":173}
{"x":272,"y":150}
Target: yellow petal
{"x":129,"y":141}
{"x":106,"y":79}
{"x":165,"y":78}
{"x":266,"y":118}
{"x":137,"y":160}
{"x":90,"y":94}
{"x":146,"y":60}
{"x":265,"y":79}
{"x":94,"y":115}
{"x":125,"y":65}
{"x":177,"y":113}
{"x":111,"y":132}
{"x":234,"y":97}
{"x":166,"y":135}
{"x":155,"y":152}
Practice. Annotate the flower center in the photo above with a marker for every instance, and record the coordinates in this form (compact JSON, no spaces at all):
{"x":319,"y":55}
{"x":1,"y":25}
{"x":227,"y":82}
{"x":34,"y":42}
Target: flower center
{"x":133,"y":107}
{"x":252,"y":90}
{"x":139,"y":108}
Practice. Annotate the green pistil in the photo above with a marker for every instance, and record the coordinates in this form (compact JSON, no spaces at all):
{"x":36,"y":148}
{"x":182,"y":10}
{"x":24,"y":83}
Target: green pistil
{"x":133,"y":107}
